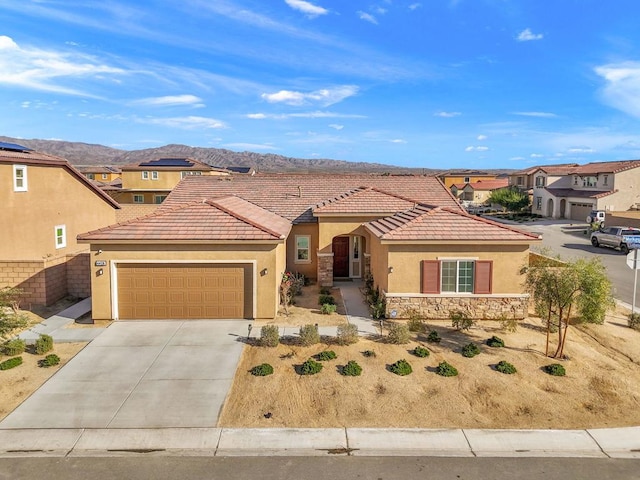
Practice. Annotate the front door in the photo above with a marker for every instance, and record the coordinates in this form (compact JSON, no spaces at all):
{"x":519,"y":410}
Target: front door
{"x":340,"y":247}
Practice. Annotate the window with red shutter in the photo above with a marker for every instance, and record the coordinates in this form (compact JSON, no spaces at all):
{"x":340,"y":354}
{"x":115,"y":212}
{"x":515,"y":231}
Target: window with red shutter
{"x":430,"y":276}
{"x":483,"y":276}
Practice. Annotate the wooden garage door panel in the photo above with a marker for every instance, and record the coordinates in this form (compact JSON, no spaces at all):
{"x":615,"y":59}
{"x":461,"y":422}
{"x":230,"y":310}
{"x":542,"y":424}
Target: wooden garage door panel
{"x":181,"y":292}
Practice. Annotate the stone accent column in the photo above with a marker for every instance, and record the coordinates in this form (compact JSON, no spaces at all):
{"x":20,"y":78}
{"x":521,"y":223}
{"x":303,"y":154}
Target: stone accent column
{"x":325,"y":269}
{"x":367,"y":264}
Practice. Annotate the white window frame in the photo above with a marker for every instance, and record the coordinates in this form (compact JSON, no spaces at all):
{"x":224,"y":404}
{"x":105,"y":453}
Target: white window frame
{"x":457,"y":279}
{"x":24,"y":186}
{"x":188,"y":173}
{"x":145,"y":175}
{"x":467,"y":179}
{"x":298,"y":249}
{"x":139,"y":196}
{"x":156,"y":197}
{"x":105,"y":176}
{"x":154,"y":175}
{"x":605,"y":180}
{"x":538,"y":203}
{"x":61,"y":239}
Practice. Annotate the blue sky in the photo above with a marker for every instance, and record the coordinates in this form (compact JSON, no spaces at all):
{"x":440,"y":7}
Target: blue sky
{"x":423,"y":83}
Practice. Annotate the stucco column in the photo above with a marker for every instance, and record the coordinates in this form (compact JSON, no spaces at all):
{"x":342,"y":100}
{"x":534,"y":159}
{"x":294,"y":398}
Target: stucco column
{"x":325,"y":269}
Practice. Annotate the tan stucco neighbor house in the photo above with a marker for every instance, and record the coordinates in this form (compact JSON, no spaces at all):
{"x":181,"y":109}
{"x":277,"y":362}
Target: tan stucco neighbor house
{"x":45,"y":203}
{"x":218,"y":246}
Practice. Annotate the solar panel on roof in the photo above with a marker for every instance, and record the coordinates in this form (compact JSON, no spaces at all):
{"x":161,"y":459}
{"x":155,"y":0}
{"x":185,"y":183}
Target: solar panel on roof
{"x":168,"y":162}
{"x":14,"y":147}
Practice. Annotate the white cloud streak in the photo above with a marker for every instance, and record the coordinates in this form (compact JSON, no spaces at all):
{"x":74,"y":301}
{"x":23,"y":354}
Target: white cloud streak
{"x":476,"y":149}
{"x":447,"y":114}
{"x":185,"y":123}
{"x":170,"y":101}
{"x":250,"y":146}
{"x":324,"y":97}
{"x":308,"y":8}
{"x":622,"y":89}
{"x":536,"y":114}
{"x":527,"y":36}
{"x":317,"y":114}
{"x":367,"y":17}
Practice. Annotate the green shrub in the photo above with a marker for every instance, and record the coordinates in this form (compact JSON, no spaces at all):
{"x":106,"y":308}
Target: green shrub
{"x":460,"y":320}
{"x":269,"y":336}
{"x":328,"y":309}
{"x":14,"y":347}
{"x":310,"y":367}
{"x":420,"y":352}
{"x":49,"y":360}
{"x":351,"y":369}
{"x":495,"y":342}
{"x":433,"y":337}
{"x":508,"y":324}
{"x":445,"y":369}
{"x":634,"y":321}
{"x":398,"y":334}
{"x":401,"y":367}
{"x":262,"y":370}
{"x":416,"y":320}
{"x":326,"y":355}
{"x":43,"y":344}
{"x":326,"y":299}
{"x":11,"y":363}
{"x":325,"y":291}
{"x":347,"y":334}
{"x":555,"y":369}
{"x":309,"y":335}
{"x":369,"y":353}
{"x":505,"y":367}
{"x":378,"y":308}
{"x":470,"y":350}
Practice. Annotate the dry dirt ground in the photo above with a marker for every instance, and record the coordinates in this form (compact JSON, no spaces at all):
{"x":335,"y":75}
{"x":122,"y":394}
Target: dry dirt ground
{"x":601,"y":388}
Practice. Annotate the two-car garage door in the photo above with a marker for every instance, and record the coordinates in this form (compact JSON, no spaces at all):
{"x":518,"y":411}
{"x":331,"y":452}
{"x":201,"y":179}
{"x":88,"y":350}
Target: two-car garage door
{"x":184,"y":291}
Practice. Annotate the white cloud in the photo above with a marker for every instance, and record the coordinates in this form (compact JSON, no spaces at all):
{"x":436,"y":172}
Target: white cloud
{"x":581,"y":149}
{"x":482,"y":137}
{"x":447,"y":114}
{"x":414,"y":6}
{"x":186,"y":123}
{"x":536,"y":155}
{"x":398,"y":140}
{"x":622,"y":90}
{"x":307,"y":8}
{"x":367,"y":17}
{"x":170,"y":101}
{"x":250,"y":146}
{"x":316,"y":114}
{"x":527,"y":35}
{"x":324,"y":96}
{"x":517,"y":159}
{"x":336,"y":126}
{"x":536,"y":114}
{"x":476,"y":149}
{"x":257,"y":116}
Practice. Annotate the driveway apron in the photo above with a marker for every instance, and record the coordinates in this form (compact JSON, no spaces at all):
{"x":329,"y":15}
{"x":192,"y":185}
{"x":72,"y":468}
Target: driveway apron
{"x":144,"y":374}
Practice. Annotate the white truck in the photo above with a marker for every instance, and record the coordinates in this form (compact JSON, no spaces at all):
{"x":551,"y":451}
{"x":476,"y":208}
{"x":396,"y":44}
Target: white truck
{"x":616,"y":237}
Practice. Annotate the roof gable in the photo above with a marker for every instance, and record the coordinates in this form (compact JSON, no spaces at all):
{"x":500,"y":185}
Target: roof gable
{"x":364,"y":201}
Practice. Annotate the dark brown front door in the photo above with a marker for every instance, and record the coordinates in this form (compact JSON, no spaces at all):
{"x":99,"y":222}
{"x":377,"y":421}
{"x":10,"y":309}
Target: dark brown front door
{"x":340,"y":247}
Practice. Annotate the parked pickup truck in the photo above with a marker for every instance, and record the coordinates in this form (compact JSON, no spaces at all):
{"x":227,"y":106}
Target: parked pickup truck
{"x":616,"y":237}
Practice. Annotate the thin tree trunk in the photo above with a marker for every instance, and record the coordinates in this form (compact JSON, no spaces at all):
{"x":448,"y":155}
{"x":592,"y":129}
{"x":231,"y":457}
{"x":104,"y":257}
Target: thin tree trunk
{"x":560,"y":311}
{"x":566,"y":328}
{"x":546,"y":352}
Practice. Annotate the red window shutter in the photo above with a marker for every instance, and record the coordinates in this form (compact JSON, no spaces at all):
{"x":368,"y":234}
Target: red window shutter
{"x":430,"y":276}
{"x":483,"y":282}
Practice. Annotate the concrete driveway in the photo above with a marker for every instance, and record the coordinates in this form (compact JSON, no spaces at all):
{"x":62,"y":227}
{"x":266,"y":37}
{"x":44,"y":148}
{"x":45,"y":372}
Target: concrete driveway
{"x":145,"y":374}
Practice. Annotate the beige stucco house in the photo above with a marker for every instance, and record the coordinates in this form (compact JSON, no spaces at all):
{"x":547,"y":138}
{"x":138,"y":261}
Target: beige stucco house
{"x":218,"y":247}
{"x":478,"y":192}
{"x":462,"y":177}
{"x":45,"y":203}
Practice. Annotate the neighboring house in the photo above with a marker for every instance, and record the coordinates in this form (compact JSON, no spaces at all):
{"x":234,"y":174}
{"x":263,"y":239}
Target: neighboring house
{"x":523,"y":179}
{"x":451,"y":177}
{"x":46,"y":203}
{"x":478,"y":192}
{"x":101,"y":174}
{"x":218,"y":247}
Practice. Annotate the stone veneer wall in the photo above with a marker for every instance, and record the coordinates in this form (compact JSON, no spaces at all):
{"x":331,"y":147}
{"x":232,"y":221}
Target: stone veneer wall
{"x":325,"y":269}
{"x":481,"y":307}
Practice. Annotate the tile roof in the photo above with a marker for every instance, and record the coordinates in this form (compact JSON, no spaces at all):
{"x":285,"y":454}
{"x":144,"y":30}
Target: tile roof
{"x":490,"y":184}
{"x":364,"y":200}
{"x":570,"y":192}
{"x":165,"y":164}
{"x":223,"y":219}
{"x":293,"y":196}
{"x":425,"y":223}
{"x":97,"y":169}
{"x":530,"y":170}
{"x":606,"y":167}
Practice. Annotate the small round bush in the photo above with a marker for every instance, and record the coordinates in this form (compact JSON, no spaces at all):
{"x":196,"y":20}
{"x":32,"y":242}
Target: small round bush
{"x":351,"y":369}
{"x":347,"y":334}
{"x":401,"y":367}
{"x":445,"y":369}
{"x":326,"y":356}
{"x":555,"y":369}
{"x":634,"y":321}
{"x":269,"y":336}
{"x":262,"y":370}
{"x":420,"y":352}
{"x":505,"y":367}
{"x":14,"y":347}
{"x":43,"y":344}
{"x":310,"y":367}
{"x":325,"y":291}
{"x":326,"y":299}
{"x":49,"y":361}
{"x":309,"y":335}
{"x":495,"y":342}
{"x":11,"y":363}
{"x":369,"y":353}
{"x":460,"y":320}
{"x":433,"y":337}
{"x":470,"y":350}
{"x":328,"y":308}
{"x":399,"y":334}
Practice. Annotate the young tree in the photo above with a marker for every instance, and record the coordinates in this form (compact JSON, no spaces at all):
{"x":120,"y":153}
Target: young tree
{"x":510,"y":198}
{"x":10,"y":318}
{"x":559,"y":287}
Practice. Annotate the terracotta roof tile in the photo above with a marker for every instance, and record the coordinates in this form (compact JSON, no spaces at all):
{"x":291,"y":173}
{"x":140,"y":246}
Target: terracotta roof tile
{"x":606,"y":167}
{"x":364,"y":200}
{"x":570,"y":192}
{"x":490,"y":184}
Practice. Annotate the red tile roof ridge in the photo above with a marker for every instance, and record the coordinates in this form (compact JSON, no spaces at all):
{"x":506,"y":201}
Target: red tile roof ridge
{"x":488,"y":221}
{"x":215,"y":203}
{"x":356,"y":191}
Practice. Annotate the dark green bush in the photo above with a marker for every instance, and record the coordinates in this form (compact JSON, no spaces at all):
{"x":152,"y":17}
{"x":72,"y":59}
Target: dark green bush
{"x":269,"y":336}
{"x":470,"y":350}
{"x":401,"y":367}
{"x":399,"y":334}
{"x":495,"y":342}
{"x":310,"y":367}
{"x":634,"y":321}
{"x":369,"y":353}
{"x":555,"y":369}
{"x":326,"y":355}
{"x":326,"y":299}
{"x":460,"y":320}
{"x":351,"y":369}
{"x":328,"y":309}
{"x":309,"y":335}
{"x":43,"y":344}
{"x":325,"y":291}
{"x":445,"y":369}
{"x":49,"y":360}
{"x":505,"y":367}
{"x":378,"y":308}
{"x":14,"y":347}
{"x":347,"y":334}
{"x":420,"y":352}
{"x":433,"y":337}
{"x":11,"y":363}
{"x":262,"y":370}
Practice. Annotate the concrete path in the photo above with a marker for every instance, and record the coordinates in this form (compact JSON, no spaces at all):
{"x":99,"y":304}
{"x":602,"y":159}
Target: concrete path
{"x":151,"y":374}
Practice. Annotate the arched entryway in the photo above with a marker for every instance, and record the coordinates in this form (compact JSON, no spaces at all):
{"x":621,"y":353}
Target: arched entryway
{"x":550,"y":207}
{"x":563,"y":208}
